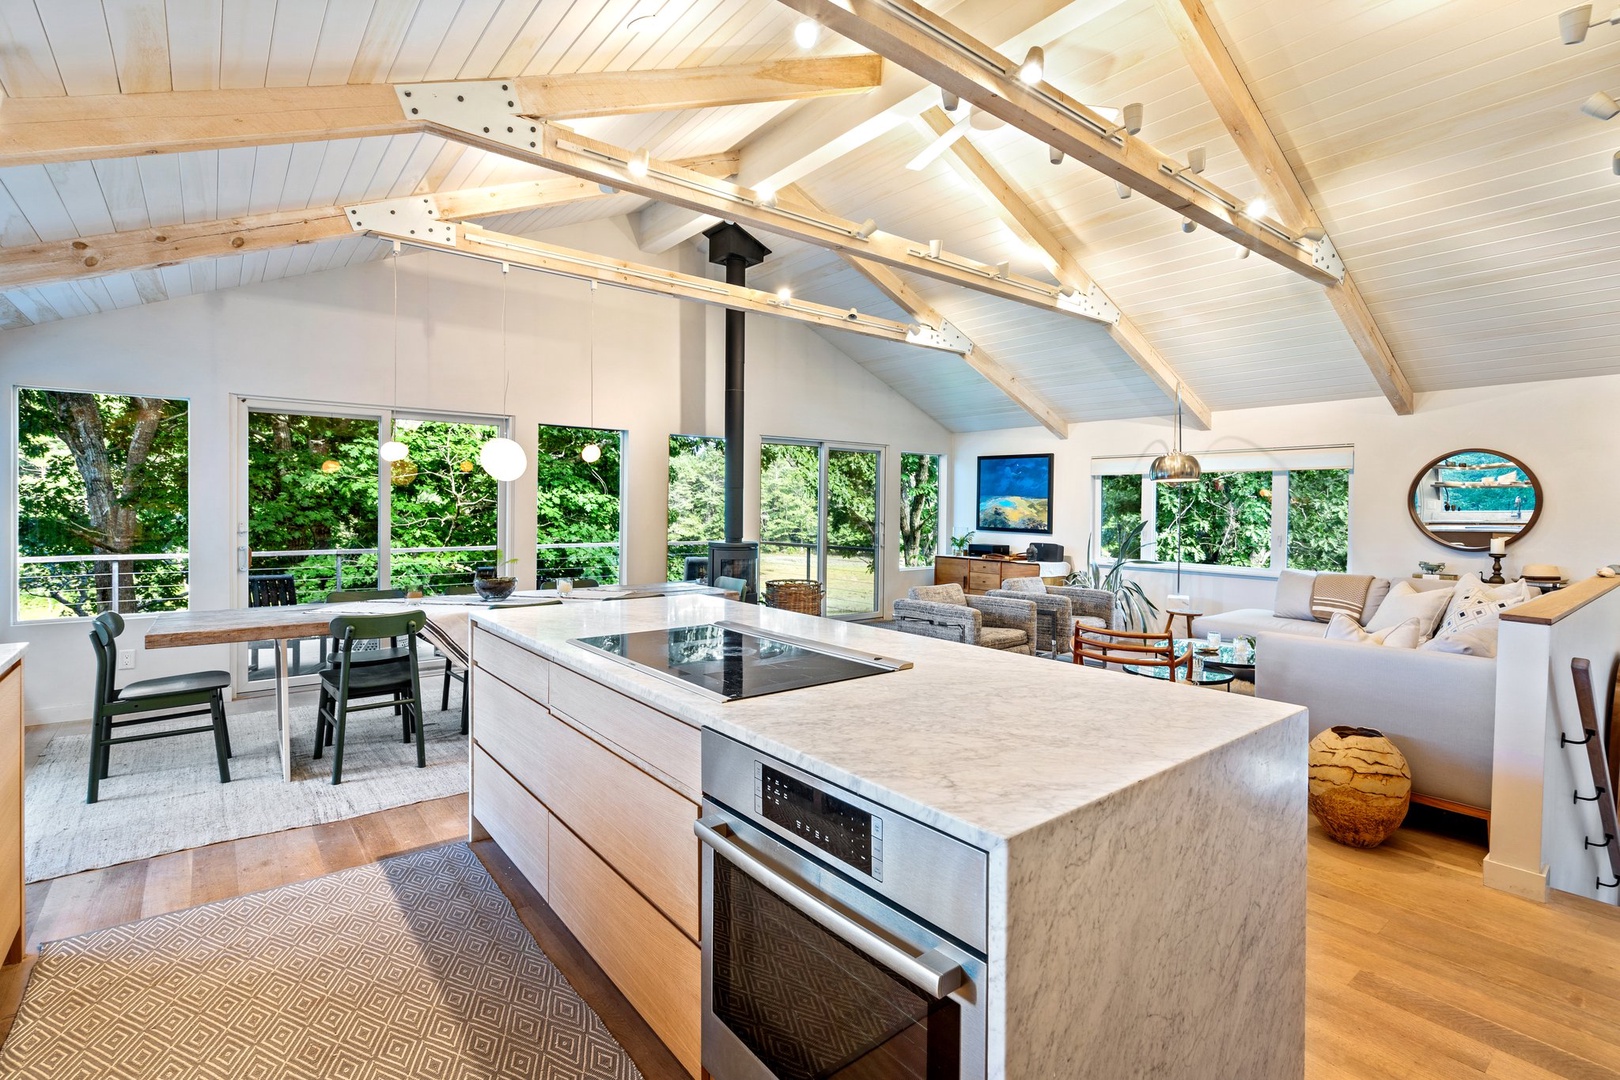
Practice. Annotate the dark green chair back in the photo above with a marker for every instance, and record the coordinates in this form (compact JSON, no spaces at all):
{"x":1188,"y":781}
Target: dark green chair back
{"x":349,"y":596}
{"x":104,"y":631}
{"x":346,"y":630}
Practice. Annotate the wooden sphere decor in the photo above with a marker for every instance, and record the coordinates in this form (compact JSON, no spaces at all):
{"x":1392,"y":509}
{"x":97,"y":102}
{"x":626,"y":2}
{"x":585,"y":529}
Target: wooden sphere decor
{"x":1361,"y":785}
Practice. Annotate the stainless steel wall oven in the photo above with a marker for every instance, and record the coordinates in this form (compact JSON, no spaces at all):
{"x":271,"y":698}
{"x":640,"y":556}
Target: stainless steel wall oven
{"x":841,"y":939}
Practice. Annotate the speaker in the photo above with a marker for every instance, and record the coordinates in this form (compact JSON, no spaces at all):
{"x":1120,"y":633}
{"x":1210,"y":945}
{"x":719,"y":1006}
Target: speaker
{"x":1044,"y":553}
{"x":989,"y":549}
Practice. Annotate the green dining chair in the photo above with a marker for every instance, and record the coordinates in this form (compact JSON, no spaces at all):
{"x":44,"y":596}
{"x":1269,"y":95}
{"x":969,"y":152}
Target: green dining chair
{"x":398,"y":683}
{"x":115,"y":708}
{"x":371,"y":652}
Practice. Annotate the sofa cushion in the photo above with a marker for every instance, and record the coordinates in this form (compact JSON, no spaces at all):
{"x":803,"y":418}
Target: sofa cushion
{"x":1001,"y":637}
{"x":1375,"y":597}
{"x":1405,"y":602}
{"x":1340,"y":593}
{"x":1473,"y":642}
{"x":1251,"y":622}
{"x":938,"y":594}
{"x":1024,"y":584}
{"x":1293,"y":599}
{"x":1405,"y":635}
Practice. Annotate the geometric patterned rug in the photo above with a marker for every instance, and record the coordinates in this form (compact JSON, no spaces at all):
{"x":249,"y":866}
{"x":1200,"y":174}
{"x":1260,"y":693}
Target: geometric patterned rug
{"x":414,"y":966}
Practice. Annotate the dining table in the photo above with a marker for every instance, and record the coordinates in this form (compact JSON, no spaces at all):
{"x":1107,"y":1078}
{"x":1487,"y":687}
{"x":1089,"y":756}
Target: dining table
{"x":448,"y":627}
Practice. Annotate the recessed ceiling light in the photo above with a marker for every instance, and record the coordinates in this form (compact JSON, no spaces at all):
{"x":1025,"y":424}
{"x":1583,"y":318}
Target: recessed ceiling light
{"x":642,"y":23}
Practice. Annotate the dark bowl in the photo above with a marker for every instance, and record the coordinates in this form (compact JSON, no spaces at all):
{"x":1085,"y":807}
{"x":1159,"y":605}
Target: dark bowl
{"x":494,"y":588}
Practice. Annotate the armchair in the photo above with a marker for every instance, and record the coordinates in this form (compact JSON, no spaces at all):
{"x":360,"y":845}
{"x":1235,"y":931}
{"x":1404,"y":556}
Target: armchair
{"x":1060,"y":609}
{"x":945,"y":612}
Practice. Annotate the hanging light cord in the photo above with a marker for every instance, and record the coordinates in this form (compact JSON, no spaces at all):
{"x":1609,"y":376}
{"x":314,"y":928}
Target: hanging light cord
{"x":593,"y":357}
{"x":506,"y":370}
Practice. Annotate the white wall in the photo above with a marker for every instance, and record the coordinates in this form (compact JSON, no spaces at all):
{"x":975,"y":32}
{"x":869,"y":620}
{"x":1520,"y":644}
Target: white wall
{"x":329,"y":338}
{"x":1559,"y":429}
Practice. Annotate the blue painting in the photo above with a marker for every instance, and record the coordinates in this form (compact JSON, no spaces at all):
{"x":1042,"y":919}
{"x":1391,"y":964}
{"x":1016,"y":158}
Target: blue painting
{"x":1015,"y":493}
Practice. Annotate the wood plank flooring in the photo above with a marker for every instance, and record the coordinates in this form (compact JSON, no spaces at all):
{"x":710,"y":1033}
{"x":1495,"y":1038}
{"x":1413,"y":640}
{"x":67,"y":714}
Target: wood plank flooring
{"x":1415,"y":969}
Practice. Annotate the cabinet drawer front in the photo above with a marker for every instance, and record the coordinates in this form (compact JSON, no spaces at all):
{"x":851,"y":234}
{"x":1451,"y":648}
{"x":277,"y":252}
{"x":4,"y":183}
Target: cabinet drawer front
{"x":637,"y":825}
{"x":1024,"y":569}
{"x":508,"y":726}
{"x":513,"y":818}
{"x":518,"y":666}
{"x":667,"y":747}
{"x":985,"y":578}
{"x":652,"y":963}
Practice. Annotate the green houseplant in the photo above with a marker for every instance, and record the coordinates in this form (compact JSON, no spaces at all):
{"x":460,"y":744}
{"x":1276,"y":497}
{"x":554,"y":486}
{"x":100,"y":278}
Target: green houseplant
{"x":959,"y":544}
{"x":1129,"y":599}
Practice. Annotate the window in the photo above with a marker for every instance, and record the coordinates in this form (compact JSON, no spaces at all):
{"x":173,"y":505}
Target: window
{"x":102,"y":504}
{"x":697,"y":503}
{"x":1257,"y":509}
{"x":819,"y":520}
{"x":444,"y":508}
{"x":919,"y":509}
{"x":579,"y":508}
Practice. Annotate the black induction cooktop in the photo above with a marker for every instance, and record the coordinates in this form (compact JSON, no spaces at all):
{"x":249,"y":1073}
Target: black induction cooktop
{"x":727,"y":661}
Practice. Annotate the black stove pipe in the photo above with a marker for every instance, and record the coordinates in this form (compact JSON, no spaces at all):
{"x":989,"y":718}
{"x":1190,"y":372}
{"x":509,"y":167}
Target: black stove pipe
{"x":732,"y":247}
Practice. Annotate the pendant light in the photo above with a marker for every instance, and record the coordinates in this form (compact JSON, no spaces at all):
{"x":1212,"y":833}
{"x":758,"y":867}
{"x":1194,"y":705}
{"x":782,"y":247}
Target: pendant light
{"x":592,"y":451}
{"x":393,"y":449}
{"x":501,"y":457}
{"x":1175,"y":467}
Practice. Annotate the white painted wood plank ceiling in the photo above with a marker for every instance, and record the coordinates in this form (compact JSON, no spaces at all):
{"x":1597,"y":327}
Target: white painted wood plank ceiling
{"x":1440,"y":141}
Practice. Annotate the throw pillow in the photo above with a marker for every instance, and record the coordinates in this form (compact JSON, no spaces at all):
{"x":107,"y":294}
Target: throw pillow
{"x":1294,"y":596}
{"x":1403,"y":635}
{"x":1475,"y":642}
{"x":1335,"y":593}
{"x":1404,"y":602}
{"x":1375,"y":597}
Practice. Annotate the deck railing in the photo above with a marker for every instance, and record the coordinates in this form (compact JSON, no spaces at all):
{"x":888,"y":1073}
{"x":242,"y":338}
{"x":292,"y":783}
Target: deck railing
{"x":66,"y":586}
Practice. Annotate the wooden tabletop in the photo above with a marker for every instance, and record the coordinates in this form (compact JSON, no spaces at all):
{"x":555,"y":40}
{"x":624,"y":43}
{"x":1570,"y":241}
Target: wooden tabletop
{"x":176,"y":628}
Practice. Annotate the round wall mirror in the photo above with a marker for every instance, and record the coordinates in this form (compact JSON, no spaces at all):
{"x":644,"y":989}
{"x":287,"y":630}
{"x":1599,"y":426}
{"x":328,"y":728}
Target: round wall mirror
{"x":1466,"y":498}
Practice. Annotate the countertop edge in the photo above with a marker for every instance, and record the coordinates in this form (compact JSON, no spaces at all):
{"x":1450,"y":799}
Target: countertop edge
{"x":11,"y":654}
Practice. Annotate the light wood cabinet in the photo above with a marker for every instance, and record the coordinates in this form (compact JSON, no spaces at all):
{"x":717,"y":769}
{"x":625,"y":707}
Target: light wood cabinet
{"x":979,"y":576}
{"x":11,"y":813}
{"x":592,"y":795}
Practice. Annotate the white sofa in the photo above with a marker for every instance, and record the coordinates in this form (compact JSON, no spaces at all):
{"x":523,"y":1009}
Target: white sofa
{"x":1438,"y":707}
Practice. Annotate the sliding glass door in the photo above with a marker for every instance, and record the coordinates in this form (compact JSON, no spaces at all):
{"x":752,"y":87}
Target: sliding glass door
{"x":443,"y":508}
{"x":819,"y":520}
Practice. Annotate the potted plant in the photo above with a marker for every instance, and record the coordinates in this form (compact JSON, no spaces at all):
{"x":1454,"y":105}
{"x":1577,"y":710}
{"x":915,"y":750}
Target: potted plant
{"x":489,"y":581}
{"x":959,"y":544}
{"x":1129,"y":599}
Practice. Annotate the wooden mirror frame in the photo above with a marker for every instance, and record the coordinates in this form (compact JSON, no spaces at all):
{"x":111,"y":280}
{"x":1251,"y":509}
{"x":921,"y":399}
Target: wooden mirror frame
{"x":1411,"y":498}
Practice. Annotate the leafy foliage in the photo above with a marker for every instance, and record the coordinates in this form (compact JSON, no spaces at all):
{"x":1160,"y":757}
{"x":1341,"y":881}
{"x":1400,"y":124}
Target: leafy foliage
{"x":578,"y":501}
{"x":1319,"y":519}
{"x":1122,"y":523}
{"x":1222,"y":519}
{"x":697,"y":476}
{"x":919,"y":508}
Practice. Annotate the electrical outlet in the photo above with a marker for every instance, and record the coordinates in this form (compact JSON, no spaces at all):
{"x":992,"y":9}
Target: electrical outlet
{"x":126,"y":659}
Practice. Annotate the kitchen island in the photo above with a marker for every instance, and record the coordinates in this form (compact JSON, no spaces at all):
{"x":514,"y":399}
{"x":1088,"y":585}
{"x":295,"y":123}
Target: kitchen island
{"x":1144,"y":844}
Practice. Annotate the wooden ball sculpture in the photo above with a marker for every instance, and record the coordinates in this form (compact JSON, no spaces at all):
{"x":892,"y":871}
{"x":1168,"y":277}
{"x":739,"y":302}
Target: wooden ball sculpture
{"x":1361,"y":785}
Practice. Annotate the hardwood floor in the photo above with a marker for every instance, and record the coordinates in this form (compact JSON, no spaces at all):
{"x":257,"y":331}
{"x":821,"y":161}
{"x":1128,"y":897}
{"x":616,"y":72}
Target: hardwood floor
{"x":1415,"y":969}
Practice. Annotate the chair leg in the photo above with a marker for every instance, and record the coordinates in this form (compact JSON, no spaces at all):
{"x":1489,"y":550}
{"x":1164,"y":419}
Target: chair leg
{"x":221,"y":751}
{"x":342,"y":712}
{"x":320,"y":722}
{"x":445,"y":704}
{"x":224,"y":725}
{"x":416,"y":709}
{"x":95,"y":759}
{"x":464,"y":683}
{"x":106,"y":747}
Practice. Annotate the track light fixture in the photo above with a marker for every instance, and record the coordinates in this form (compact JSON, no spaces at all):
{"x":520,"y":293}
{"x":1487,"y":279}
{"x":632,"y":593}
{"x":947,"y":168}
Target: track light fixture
{"x":1054,"y":155}
{"x":1033,"y":69}
{"x":1196,"y":159}
{"x":607,"y":189}
{"x":1003,"y":269}
{"x":1616,"y":163}
{"x":640,"y":162}
{"x":1574,"y":23}
{"x":1242,"y":252}
{"x":1257,"y":209}
{"x":1315,"y":234}
{"x":1133,"y":118}
{"x":1121,"y":190}
{"x":866,"y":229}
{"x":806,"y":33}
{"x":949,"y":101}
{"x":1601,"y":106}
{"x":765,"y":196}
{"x":934,"y":248}
{"x":784,"y":294}
{"x":1188,"y":225}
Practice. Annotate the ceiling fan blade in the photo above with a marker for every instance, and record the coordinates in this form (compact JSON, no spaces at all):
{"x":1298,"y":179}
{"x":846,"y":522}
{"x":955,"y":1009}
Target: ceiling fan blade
{"x":940,"y":145}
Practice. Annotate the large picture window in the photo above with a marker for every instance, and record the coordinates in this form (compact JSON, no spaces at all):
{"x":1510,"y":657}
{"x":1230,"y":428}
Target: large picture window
{"x":102,"y":504}
{"x":1294,"y":512}
{"x":578,"y":509}
{"x":919,"y":509}
{"x":697,"y":499}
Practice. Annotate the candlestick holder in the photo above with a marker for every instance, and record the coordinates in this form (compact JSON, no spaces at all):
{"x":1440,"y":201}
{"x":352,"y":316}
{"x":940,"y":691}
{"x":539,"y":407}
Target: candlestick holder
{"x":1496,"y":571}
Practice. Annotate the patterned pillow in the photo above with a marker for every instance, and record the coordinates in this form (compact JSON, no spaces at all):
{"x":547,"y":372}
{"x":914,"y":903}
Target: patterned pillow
{"x":1477,"y":608}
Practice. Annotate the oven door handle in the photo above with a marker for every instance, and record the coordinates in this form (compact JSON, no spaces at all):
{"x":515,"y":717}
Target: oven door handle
{"x":933,"y":972}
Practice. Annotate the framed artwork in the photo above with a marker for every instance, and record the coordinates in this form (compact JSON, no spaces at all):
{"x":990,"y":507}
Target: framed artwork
{"x":1015,"y":493}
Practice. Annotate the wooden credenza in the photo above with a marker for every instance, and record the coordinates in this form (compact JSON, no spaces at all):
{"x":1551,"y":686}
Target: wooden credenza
{"x":592,"y":796}
{"x":11,"y":803}
{"x":979,"y":576}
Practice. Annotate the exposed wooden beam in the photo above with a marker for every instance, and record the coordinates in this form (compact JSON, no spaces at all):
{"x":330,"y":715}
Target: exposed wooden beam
{"x":906,"y":299}
{"x":51,"y":129}
{"x":491,"y":246}
{"x":145,"y":249}
{"x":1210,"y":59}
{"x":1019,"y":216}
{"x":566,"y":151}
{"x":945,"y":55}
{"x":824,"y":131}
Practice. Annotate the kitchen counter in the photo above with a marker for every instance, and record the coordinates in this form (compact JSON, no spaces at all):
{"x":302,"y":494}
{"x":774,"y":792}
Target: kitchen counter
{"x":11,"y":654}
{"x":1146,"y":841}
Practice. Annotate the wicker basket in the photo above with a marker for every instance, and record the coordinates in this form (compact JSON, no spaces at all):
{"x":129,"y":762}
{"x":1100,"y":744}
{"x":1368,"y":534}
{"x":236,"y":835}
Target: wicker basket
{"x":791,"y":595}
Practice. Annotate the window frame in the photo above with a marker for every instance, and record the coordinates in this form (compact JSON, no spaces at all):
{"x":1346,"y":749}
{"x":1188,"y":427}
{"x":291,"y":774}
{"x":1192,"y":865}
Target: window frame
{"x":623,"y":436}
{"x":939,"y":512}
{"x":13,"y":611}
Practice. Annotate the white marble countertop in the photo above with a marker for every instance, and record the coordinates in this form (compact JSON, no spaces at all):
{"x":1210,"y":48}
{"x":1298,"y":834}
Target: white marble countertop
{"x":984,"y":745}
{"x":11,"y":653}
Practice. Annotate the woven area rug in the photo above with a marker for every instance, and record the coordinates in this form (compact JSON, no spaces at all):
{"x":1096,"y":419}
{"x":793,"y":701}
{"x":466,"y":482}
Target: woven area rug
{"x":164,"y":795}
{"x":415,"y":966}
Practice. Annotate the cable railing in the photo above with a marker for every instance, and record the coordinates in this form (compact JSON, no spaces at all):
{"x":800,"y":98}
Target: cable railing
{"x":81,"y":586}
{"x":594,"y":559}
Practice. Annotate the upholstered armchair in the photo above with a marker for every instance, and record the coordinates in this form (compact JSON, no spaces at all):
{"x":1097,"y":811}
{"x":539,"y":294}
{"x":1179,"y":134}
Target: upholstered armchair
{"x":1060,"y":608}
{"x":945,"y":612}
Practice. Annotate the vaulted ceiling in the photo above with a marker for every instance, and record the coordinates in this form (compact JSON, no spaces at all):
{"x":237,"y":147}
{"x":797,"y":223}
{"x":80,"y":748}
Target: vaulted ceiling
{"x":1439,"y":142}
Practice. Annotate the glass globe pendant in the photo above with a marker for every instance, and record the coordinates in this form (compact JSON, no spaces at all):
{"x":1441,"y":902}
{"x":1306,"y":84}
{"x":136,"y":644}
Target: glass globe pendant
{"x":394,"y":450}
{"x":591,"y":452}
{"x":503,"y":459}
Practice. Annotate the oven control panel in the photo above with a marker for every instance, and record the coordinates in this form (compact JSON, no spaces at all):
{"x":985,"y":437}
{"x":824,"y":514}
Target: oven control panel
{"x":842,"y":830}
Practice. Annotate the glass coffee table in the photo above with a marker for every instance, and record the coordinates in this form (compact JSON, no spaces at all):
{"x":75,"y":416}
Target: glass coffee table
{"x":1218,"y":667}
